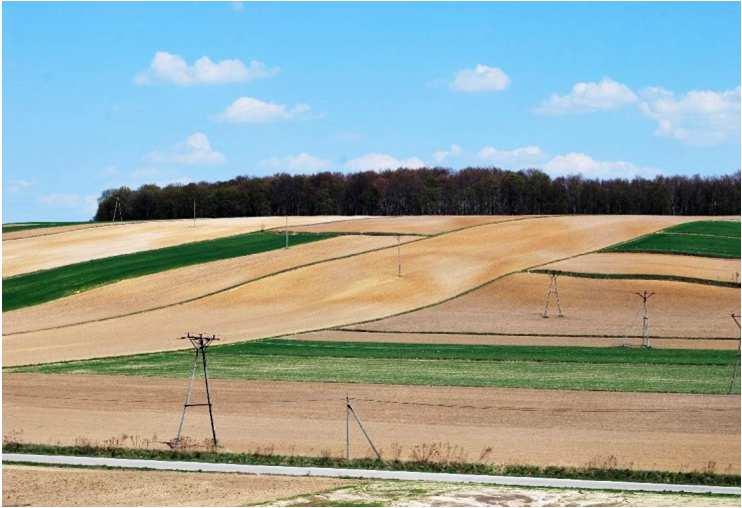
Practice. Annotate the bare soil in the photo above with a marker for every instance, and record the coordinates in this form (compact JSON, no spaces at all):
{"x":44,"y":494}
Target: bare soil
{"x":418,"y":224}
{"x":592,"y":307}
{"x":340,"y":292}
{"x":174,"y":286}
{"x":516,"y":426}
{"x":82,"y":244}
{"x":58,"y":486}
{"x":509,"y":340}
{"x":717,"y":269}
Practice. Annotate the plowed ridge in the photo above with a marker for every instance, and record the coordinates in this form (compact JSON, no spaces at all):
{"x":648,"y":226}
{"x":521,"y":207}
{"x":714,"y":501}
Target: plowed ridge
{"x":714,"y":269}
{"x":342,"y":291}
{"x":47,"y":251}
{"x":592,"y":307}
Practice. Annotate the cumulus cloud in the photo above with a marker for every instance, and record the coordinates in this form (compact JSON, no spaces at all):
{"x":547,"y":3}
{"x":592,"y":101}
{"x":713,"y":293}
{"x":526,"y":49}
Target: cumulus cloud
{"x":481,"y":78}
{"x":173,"y":69}
{"x":300,"y":163}
{"x":195,"y":150}
{"x":574,"y":163}
{"x":699,"y":117}
{"x":441,"y":155}
{"x":517,"y":158}
{"x":589,"y":97}
{"x":378,"y":161}
{"x":251,"y":110}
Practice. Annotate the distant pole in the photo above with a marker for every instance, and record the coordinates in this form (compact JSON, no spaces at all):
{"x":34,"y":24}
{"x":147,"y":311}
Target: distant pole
{"x":399,"y":259}
{"x":347,"y":427}
{"x":286,"y":232}
{"x":115,"y":209}
{"x":194,"y":213}
{"x":553,"y":291}
{"x":735,"y":317}
{"x":645,"y":295}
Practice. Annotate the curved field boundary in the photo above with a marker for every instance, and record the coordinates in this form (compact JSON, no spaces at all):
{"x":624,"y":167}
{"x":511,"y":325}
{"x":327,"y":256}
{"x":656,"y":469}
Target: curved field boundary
{"x":249,"y":281}
{"x":639,"y":276}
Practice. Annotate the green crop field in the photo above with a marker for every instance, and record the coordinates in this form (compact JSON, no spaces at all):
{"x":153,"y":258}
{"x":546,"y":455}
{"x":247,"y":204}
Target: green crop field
{"x":45,"y":285}
{"x":20,"y":226}
{"x":701,"y":238}
{"x":569,"y":368}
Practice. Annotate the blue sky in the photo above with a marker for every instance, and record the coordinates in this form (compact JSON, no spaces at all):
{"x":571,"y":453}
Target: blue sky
{"x":101,"y":95}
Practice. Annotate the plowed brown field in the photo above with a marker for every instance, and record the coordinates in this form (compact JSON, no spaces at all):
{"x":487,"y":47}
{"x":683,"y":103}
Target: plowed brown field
{"x":40,"y":252}
{"x":56,"y":486}
{"x":642,"y":431}
{"x":509,"y":340}
{"x":725,"y":270}
{"x":419,"y":224}
{"x":174,"y":286}
{"x":342,"y":291}
{"x":592,"y":307}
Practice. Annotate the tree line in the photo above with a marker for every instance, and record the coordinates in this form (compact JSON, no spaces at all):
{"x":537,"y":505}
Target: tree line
{"x":428,"y":191}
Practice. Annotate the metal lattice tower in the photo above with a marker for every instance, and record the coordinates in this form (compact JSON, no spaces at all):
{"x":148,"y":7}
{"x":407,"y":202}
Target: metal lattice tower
{"x":645,"y":295}
{"x":199,"y":342}
{"x":553,"y":291}
{"x":735,"y":317}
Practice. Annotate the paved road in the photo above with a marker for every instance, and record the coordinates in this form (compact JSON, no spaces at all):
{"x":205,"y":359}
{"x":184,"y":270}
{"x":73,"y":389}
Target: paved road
{"x":363,"y":473}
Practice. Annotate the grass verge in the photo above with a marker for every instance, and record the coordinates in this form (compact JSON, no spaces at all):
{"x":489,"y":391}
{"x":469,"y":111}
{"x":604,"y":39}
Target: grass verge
{"x":45,"y":285}
{"x":588,"y":473}
{"x":719,"y":239}
{"x":560,"y":368}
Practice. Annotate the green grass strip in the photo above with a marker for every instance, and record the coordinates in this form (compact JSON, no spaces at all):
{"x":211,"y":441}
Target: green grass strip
{"x":568,"y":368}
{"x":21,"y":226}
{"x":45,"y":285}
{"x":640,"y":276}
{"x":585,"y":473}
{"x":718,"y":239}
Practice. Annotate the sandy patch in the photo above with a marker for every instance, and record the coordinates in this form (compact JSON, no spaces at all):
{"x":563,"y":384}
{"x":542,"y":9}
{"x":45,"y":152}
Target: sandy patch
{"x":343,"y":291}
{"x":515,"y":304}
{"x":725,"y":270}
{"x":41,"y":252}
{"x":57,"y":486}
{"x":567,"y":428}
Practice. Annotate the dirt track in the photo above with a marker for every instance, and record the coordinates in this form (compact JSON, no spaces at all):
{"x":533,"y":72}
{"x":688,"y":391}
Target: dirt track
{"x":40,"y":252}
{"x":515,"y":303}
{"x":643,"y":431}
{"x":54,"y":486}
{"x":342,"y":291}
{"x":173,"y":286}
{"x":726,"y":270}
{"x":509,"y":340}
{"x":418,"y":224}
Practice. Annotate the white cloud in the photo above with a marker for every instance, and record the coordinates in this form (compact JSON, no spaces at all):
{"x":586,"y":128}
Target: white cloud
{"x":195,"y":150}
{"x":441,"y":155}
{"x":589,"y":97}
{"x":700,"y":117}
{"x":517,"y":158}
{"x":238,"y":6}
{"x":169,"y":68}
{"x":87,"y":203}
{"x":251,"y":110}
{"x":481,"y":78}
{"x":378,"y":161}
{"x":18,"y":185}
{"x":301,"y":162}
{"x":574,"y":163}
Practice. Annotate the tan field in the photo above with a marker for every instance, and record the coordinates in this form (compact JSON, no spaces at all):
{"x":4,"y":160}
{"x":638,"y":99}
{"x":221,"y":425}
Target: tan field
{"x":346,"y":335}
{"x":41,"y":252}
{"x":183,"y":284}
{"x":418,"y":225}
{"x":512,"y":426}
{"x":56,"y":486}
{"x":342,"y":291}
{"x":717,"y":269}
{"x":29,"y":233}
{"x":592,"y":307}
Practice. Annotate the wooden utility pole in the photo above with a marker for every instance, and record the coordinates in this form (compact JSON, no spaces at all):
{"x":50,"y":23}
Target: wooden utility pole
{"x":286,"y":232}
{"x":553,"y":291}
{"x":115,"y":209}
{"x":399,"y":259}
{"x":199,"y":342}
{"x":645,"y":295}
{"x":349,"y":411}
{"x":735,"y":317}
{"x":194,"y":213}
